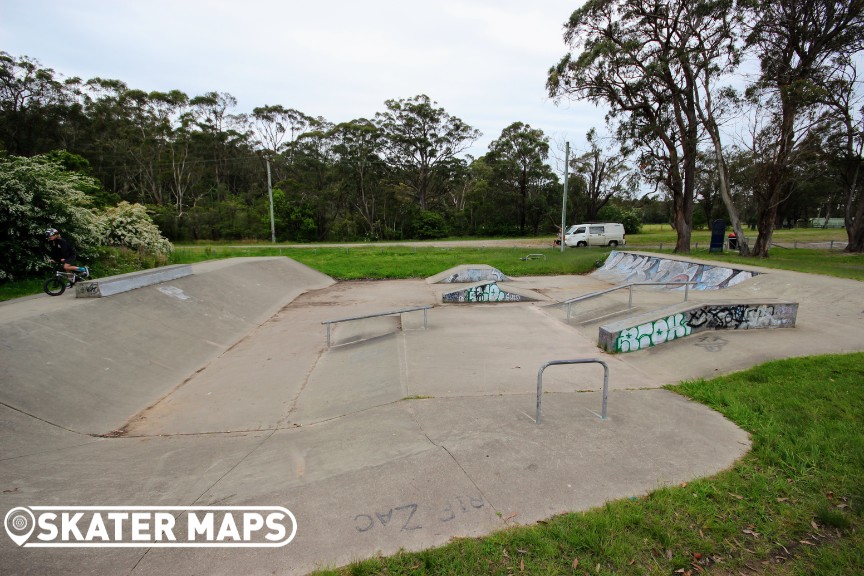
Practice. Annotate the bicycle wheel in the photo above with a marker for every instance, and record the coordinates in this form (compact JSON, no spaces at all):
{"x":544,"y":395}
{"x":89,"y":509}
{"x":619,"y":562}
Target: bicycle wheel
{"x":54,"y":286}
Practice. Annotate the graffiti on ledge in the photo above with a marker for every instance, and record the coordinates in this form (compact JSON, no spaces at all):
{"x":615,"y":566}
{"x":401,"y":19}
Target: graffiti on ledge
{"x":736,"y":317}
{"x":708,"y":317}
{"x":485,"y":293}
{"x":653,"y":333}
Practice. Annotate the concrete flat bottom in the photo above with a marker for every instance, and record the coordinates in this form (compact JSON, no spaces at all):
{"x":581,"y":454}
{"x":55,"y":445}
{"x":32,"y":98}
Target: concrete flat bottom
{"x":396,"y":437}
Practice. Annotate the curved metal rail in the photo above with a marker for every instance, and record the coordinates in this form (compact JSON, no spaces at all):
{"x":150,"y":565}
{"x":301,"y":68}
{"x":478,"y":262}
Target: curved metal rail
{"x":578,"y":361}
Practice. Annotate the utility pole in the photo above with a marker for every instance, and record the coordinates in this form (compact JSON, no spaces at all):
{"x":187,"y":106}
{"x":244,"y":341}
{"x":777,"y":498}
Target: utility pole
{"x":270,"y":192}
{"x":564,"y":199}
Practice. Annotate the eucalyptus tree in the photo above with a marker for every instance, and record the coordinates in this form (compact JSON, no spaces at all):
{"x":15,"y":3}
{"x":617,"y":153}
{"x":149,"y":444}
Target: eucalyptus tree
{"x":629,"y":60}
{"x":278,"y":127}
{"x":653,"y":63}
{"x":278,"y":130}
{"x":796,"y":42}
{"x":715,"y":28}
{"x":358,"y":146}
{"x":606,"y":174}
{"x":518,"y":159}
{"x":421,"y":138}
{"x":845,"y":103}
{"x":310,"y":181}
{"x":32,"y":102}
{"x":108,"y":144}
{"x":221,"y":133}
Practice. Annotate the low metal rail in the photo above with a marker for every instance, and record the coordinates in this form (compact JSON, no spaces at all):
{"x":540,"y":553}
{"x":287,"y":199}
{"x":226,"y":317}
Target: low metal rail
{"x":629,"y":286}
{"x":425,"y":310}
{"x":578,"y":361}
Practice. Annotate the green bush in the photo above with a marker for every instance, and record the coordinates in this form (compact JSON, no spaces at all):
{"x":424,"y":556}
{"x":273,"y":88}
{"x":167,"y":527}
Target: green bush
{"x":429,"y":225}
{"x":129,"y":226}
{"x":35,"y":194}
{"x":629,"y":217}
{"x":39,"y":193}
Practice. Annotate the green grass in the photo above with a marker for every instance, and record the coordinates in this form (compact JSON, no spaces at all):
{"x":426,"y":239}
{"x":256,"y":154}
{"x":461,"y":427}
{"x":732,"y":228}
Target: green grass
{"x":793,"y":505}
{"x":654,"y":234}
{"x":810,"y":260}
{"x":362,"y":262}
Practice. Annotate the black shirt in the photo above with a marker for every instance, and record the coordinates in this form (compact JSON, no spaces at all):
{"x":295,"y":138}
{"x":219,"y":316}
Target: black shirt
{"x":62,"y":250}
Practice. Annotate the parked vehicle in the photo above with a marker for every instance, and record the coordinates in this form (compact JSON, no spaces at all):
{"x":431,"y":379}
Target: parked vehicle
{"x":600,"y":234}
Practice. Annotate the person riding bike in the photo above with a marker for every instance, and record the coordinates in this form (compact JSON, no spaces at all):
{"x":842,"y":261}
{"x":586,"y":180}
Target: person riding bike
{"x":63,"y":252}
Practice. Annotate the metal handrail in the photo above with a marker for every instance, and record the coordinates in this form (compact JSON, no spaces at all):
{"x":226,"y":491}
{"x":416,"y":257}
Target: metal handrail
{"x":578,"y":361}
{"x":376,"y":315}
{"x":629,"y":286}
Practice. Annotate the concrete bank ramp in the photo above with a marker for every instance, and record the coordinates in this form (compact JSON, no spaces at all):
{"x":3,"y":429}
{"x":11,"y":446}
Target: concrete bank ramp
{"x":624,"y":267}
{"x":88,"y":365}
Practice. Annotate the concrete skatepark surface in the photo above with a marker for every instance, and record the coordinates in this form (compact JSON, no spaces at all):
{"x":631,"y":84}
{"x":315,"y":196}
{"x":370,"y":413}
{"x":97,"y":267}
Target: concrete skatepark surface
{"x":219,"y":389}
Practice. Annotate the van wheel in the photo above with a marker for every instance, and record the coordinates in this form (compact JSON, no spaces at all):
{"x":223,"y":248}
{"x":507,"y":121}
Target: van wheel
{"x":581,"y":244}
{"x":613,"y":243}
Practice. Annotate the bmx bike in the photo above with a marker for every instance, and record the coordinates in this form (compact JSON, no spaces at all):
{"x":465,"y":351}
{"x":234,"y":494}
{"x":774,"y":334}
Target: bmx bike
{"x":57,"y":284}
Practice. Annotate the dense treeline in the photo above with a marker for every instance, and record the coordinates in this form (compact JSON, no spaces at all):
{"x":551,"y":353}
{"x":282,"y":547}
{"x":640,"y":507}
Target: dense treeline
{"x":201,"y":167}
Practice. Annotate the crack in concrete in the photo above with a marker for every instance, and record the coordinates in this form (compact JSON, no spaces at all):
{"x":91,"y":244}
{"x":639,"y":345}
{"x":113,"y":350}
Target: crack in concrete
{"x":47,"y":421}
{"x":455,"y":461}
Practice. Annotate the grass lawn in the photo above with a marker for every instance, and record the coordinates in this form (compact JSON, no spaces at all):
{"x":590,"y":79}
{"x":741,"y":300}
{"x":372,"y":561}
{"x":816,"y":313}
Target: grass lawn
{"x":371,"y":262}
{"x":378,"y":262}
{"x":810,"y":260}
{"x":793,"y":505}
{"x":654,"y":234}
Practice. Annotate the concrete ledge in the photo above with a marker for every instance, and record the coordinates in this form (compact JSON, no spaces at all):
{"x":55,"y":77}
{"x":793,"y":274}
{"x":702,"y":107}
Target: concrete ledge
{"x":125,"y":282}
{"x":681,"y":320}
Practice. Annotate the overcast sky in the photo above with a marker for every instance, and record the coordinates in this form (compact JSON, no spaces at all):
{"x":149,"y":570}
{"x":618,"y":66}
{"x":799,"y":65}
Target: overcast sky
{"x":483,"y":61}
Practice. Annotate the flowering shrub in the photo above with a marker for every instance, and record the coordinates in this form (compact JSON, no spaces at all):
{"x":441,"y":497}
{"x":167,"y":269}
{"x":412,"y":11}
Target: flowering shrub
{"x":37,"y":193}
{"x":130,"y":226}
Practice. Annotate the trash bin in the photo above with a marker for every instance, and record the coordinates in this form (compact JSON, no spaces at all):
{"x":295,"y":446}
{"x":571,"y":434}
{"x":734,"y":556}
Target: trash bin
{"x":733,"y":241}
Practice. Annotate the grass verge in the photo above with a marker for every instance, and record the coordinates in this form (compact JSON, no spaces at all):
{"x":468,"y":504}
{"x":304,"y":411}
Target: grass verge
{"x":809,"y":260}
{"x":393,"y":261}
{"x":793,"y":505}
{"x":390,"y":262}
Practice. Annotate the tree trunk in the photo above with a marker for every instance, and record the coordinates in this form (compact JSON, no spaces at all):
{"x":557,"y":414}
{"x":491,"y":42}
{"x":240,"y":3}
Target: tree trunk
{"x":856,"y":235}
{"x":771,"y":200}
{"x":722,"y":172}
{"x":683,"y":224}
{"x":523,"y":200}
{"x":765,"y":225}
{"x":855,"y":225}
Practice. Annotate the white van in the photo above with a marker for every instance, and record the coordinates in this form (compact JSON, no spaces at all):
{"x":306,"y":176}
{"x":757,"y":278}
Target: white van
{"x":602,"y":234}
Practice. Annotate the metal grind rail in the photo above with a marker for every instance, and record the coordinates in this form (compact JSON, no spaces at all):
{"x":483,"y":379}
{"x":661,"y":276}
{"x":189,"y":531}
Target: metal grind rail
{"x":578,"y":361}
{"x":629,"y":286}
{"x":425,"y":309}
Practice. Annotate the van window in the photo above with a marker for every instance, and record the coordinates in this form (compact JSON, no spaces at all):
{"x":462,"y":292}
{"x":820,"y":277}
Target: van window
{"x":595,"y":229}
{"x":580,"y":230}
